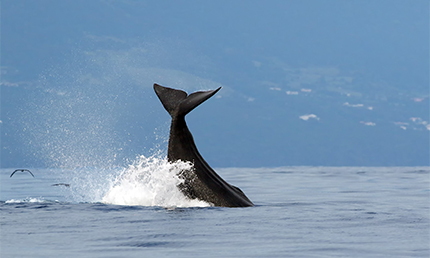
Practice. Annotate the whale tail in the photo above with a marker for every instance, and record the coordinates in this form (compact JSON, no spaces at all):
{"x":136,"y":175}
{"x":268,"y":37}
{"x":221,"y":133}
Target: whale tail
{"x":201,"y":182}
{"x":178,"y":102}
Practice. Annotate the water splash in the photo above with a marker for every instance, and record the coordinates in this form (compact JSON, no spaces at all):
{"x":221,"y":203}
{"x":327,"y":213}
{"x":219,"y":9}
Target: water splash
{"x":89,"y":185}
{"x":151,"y":182}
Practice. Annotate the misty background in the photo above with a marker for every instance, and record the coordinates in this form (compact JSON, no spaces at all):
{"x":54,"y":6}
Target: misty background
{"x":321,"y":83}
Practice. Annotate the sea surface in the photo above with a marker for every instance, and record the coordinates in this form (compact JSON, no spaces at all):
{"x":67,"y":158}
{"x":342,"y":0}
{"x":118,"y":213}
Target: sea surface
{"x":138,"y":212}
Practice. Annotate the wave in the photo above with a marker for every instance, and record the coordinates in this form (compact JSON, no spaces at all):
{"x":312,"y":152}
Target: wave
{"x":27,"y":200}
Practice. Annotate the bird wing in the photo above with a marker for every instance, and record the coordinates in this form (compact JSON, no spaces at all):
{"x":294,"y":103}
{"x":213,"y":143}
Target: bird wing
{"x":14,"y":172}
{"x":29,"y":172}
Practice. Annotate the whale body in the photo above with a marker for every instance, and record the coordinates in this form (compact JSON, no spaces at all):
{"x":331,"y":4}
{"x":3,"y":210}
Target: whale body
{"x":201,"y":182}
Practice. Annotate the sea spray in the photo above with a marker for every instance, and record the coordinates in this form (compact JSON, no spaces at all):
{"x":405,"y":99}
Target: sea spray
{"x":151,"y":182}
{"x":88,"y":184}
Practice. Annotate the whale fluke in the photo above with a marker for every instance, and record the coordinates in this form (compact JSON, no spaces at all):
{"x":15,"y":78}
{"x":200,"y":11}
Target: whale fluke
{"x":178,"y":103}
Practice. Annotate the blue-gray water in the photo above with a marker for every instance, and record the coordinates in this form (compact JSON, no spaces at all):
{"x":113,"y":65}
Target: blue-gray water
{"x":299,"y":212}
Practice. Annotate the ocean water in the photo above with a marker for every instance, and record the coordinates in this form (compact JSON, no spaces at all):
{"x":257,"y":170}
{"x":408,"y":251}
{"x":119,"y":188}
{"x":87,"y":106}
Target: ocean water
{"x":138,"y":212}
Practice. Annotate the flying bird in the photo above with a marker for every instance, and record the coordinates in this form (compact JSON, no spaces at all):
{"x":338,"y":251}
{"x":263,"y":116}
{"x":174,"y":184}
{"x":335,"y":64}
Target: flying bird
{"x":60,"y":184}
{"x":21,"y":170}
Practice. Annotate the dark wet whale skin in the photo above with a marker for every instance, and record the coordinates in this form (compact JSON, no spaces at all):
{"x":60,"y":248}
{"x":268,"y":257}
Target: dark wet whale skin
{"x":202,"y":182}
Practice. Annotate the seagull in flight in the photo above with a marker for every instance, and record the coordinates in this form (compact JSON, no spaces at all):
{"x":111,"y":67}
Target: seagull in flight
{"x":59,"y":184}
{"x":21,"y":170}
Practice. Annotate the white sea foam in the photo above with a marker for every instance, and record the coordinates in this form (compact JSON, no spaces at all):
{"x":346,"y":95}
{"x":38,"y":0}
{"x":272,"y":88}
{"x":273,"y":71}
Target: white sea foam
{"x":151,"y":182}
{"x":26,"y":200}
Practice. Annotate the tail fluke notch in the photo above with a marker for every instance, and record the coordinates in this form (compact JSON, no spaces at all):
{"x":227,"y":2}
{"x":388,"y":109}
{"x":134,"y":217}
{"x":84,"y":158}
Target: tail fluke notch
{"x":176,"y":102}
